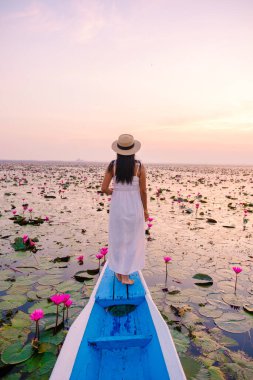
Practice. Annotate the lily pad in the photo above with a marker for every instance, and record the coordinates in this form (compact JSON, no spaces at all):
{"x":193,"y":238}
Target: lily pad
{"x":17,"y":353}
{"x":248,"y":308}
{"x":68,"y":286}
{"x":12,"y":301}
{"x":50,"y":280}
{"x":7,"y":275}
{"x":4,"y":285}
{"x":92,"y":272}
{"x":203,"y":279}
{"x":233,"y":299}
{"x":210,"y":311}
{"x":40,"y":364}
{"x":81,"y":276}
{"x":19,"y":245}
{"x":49,"y":337}
{"x":233,"y":322}
{"x":21,"y":320}
{"x":64,"y":259}
{"x":182,"y":342}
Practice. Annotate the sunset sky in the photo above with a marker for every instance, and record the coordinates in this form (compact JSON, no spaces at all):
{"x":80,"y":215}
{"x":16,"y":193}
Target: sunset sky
{"x":177,"y":74}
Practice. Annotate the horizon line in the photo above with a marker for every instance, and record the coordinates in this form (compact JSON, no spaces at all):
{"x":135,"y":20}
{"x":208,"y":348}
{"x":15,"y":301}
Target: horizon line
{"x":148,"y":163}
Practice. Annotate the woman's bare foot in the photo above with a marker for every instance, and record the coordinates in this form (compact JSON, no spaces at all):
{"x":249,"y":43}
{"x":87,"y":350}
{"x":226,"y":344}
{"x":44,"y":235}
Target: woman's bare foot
{"x":118,"y":276}
{"x":126,"y":280}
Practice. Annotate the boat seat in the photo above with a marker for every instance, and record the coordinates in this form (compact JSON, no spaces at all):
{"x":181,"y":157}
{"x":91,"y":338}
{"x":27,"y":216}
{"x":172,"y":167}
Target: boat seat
{"x":113,"y":292}
{"x":117,"y":342}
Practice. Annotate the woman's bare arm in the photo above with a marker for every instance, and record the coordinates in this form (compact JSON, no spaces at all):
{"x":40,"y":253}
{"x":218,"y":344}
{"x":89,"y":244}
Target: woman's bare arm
{"x":143,"y":191}
{"x":106,"y":182}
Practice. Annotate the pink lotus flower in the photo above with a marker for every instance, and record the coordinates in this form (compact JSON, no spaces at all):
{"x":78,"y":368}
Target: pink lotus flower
{"x":103,"y":251}
{"x":80,"y":259}
{"x":99,"y":256}
{"x":68,"y":303}
{"x":32,"y":244}
{"x":65,"y":298}
{"x":150,"y":225}
{"x":46,"y":218}
{"x":237,"y":270}
{"x":197,"y":205}
{"x":30,"y":209}
{"x":25,"y":238}
{"x":167,"y":259}
{"x":37,"y":315}
{"x":57,"y":299}
{"x":14,"y":212}
{"x":150,"y":219}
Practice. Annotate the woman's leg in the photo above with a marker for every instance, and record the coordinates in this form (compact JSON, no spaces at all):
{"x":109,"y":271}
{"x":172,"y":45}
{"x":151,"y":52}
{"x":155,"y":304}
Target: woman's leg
{"x":126,"y":280}
{"x":119,"y":276}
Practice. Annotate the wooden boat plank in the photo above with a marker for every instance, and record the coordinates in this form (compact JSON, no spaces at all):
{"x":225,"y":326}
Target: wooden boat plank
{"x":120,"y":290}
{"x":120,"y":341}
{"x":106,"y":286}
{"x":136,"y":290}
{"x":122,"y":364}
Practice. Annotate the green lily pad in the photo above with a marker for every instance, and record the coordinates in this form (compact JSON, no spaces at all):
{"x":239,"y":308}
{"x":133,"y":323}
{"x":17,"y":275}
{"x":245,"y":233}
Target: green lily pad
{"x":81,"y":276}
{"x":248,"y":308}
{"x":4,"y":285}
{"x":204,"y":342}
{"x":17,"y":353}
{"x":233,"y":299}
{"x":18,"y":289}
{"x":31,"y":296}
{"x":21,"y":320}
{"x":19,"y":245}
{"x":40,"y":364}
{"x":7,"y":275}
{"x":216,"y":373}
{"x":68,"y":286}
{"x":203,"y":279}
{"x":233,"y":322}
{"x":47,"y":347}
{"x":64,"y":259}
{"x":10,"y":334}
{"x":26,"y":280}
{"x":210,"y":311}
{"x":47,"y":307}
{"x":49,"y":337}
{"x":182,"y":342}
{"x":50,"y":280}
{"x":92,"y":272}
{"x":12,"y":376}
{"x":12,"y":301}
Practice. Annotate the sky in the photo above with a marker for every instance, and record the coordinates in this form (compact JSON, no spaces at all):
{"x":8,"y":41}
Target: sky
{"x":176,"y":74}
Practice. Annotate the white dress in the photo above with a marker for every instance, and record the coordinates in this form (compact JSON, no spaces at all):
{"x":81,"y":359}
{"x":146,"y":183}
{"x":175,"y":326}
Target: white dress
{"x":126,"y":246}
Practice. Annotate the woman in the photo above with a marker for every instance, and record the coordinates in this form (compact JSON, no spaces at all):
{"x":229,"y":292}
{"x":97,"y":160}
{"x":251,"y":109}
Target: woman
{"x":128,"y":210}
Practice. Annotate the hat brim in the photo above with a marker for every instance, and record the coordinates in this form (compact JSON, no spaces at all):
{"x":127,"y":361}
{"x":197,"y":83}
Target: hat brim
{"x":126,"y":152}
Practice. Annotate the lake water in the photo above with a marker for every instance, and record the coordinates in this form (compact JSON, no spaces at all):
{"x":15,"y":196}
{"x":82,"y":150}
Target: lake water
{"x":210,"y":323}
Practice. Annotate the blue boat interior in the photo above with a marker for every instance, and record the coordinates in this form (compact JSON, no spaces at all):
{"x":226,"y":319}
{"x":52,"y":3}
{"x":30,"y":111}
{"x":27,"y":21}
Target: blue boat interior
{"x":120,"y":340}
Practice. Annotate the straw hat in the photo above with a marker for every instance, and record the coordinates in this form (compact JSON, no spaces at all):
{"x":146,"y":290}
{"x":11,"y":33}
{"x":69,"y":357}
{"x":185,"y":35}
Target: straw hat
{"x":126,"y":145}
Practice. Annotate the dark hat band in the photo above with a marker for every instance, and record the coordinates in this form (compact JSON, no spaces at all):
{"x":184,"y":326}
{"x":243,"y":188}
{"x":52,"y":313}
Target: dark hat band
{"x":125,"y":147}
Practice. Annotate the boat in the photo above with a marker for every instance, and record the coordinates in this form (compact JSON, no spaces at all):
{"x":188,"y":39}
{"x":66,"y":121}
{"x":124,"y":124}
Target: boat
{"x":120,"y":334}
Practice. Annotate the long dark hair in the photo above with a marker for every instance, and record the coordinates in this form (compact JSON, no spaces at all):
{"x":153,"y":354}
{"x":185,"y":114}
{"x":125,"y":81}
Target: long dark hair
{"x":124,"y":168}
